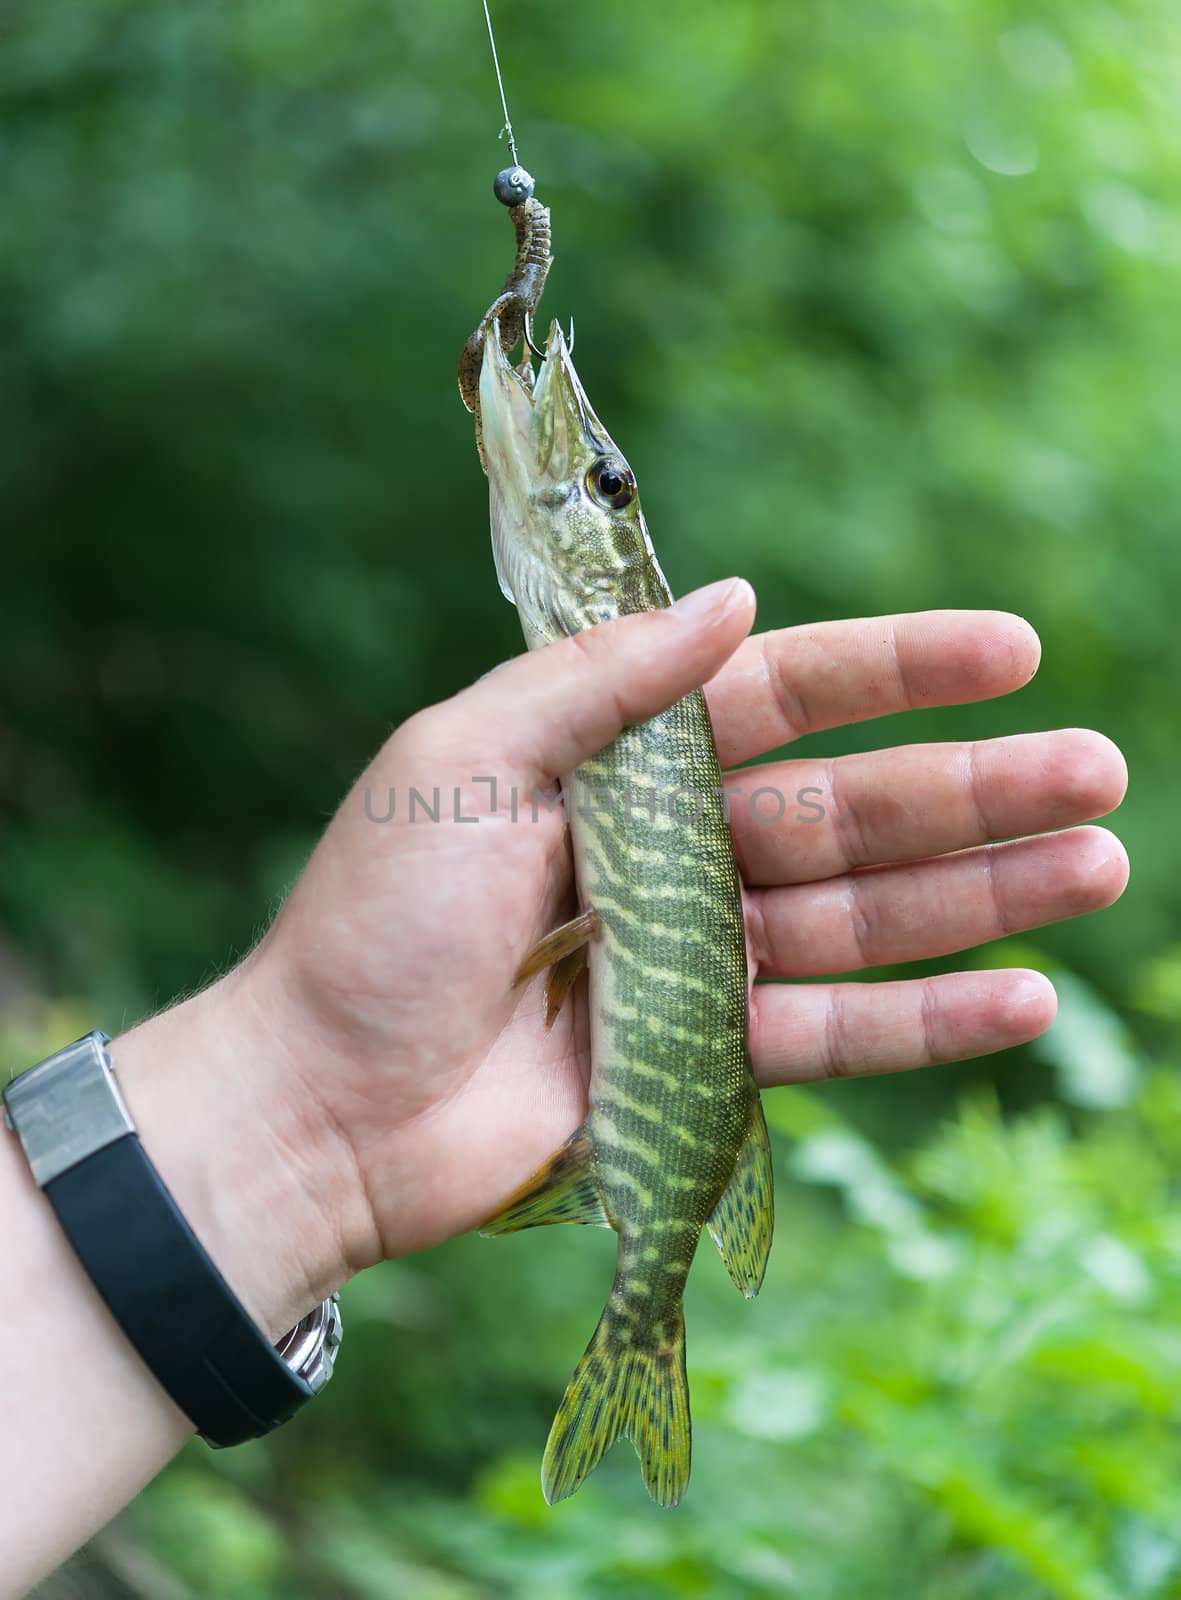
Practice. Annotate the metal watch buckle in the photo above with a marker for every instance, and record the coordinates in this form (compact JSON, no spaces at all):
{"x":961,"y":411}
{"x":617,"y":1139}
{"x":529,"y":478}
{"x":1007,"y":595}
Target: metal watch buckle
{"x":67,"y":1107}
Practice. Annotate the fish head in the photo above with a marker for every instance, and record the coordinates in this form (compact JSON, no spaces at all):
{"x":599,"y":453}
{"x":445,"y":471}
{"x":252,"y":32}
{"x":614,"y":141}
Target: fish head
{"x":568,"y":533}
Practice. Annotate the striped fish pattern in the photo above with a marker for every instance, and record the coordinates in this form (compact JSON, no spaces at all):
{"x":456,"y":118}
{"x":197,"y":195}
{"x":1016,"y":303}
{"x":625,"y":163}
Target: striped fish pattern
{"x":675,"y":1140}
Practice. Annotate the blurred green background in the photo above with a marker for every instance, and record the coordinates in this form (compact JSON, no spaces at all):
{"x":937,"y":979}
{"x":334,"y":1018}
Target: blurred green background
{"x":881,"y":300}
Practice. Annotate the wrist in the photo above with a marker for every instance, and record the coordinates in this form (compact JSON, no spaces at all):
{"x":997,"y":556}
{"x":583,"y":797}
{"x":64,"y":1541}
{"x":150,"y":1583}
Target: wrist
{"x":252,"y":1164}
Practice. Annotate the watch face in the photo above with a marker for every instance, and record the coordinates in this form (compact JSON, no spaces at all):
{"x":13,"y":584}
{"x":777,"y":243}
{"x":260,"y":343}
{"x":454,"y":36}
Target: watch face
{"x":309,"y":1350}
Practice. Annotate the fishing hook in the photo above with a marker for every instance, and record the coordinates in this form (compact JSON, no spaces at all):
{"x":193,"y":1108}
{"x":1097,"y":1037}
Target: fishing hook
{"x":540,"y":354}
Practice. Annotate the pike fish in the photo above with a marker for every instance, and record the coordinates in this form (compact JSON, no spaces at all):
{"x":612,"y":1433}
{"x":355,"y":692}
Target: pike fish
{"x":675,"y":1140}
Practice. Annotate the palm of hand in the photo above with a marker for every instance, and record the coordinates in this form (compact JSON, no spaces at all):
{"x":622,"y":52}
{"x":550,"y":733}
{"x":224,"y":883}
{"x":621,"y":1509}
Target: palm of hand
{"x":403,"y":936}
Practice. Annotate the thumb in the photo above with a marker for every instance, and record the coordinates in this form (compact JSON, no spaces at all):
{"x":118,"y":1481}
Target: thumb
{"x":558,"y":706}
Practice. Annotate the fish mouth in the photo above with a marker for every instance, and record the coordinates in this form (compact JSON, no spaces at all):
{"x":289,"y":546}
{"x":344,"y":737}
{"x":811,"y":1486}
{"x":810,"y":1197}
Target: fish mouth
{"x":531,"y":435}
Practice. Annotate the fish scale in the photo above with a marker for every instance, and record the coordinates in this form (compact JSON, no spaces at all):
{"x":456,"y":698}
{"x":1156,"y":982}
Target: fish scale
{"x":669,"y":1011}
{"x":674,"y":1140}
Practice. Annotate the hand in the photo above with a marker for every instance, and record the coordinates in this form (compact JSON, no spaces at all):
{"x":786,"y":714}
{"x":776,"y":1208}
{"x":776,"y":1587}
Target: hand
{"x":397,"y":1047}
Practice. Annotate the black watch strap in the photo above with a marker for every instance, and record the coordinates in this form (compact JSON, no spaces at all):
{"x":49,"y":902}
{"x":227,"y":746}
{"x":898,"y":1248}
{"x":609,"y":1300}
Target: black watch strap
{"x":162,"y":1288}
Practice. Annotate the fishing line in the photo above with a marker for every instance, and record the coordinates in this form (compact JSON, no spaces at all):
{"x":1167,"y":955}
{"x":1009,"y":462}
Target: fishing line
{"x":508,"y":127}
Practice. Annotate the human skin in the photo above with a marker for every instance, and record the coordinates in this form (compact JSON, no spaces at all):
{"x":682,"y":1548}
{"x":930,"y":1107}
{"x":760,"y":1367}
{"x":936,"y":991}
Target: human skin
{"x":368,"y":1081}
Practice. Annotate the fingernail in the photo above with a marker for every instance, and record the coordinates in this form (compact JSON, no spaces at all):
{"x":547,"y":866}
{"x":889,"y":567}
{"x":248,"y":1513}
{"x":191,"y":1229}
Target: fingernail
{"x":715,"y":599}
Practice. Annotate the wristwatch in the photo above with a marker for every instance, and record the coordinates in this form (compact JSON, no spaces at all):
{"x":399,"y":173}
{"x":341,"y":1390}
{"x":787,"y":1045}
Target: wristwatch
{"x":189,"y":1327}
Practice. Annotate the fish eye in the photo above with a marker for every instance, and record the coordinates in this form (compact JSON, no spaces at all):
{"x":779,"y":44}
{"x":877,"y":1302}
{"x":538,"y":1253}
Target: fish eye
{"x":611,"y":483}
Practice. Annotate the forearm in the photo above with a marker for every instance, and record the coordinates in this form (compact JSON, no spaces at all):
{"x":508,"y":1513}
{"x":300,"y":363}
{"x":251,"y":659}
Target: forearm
{"x":83,"y":1424}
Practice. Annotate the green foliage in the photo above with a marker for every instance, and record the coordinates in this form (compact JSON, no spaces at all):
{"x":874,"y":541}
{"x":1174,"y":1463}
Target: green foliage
{"x":880,"y":298}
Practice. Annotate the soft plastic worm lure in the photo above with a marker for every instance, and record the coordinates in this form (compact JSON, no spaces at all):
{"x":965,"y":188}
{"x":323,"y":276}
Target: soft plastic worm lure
{"x":513,"y":308}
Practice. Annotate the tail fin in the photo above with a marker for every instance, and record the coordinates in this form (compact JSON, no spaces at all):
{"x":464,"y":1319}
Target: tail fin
{"x":618,"y":1388}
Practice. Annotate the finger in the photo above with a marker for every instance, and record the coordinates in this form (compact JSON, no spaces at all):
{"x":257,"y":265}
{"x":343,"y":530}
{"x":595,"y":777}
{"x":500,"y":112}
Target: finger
{"x":793,"y":681}
{"x":549,"y":710}
{"x":911,"y":913}
{"x":801,"y":1033}
{"x":794,"y":821}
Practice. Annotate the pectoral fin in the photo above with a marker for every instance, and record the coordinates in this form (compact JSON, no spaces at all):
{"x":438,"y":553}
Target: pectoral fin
{"x":559,"y":983}
{"x":744,"y":1218}
{"x":562,"y":1190}
{"x":564,"y":952}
